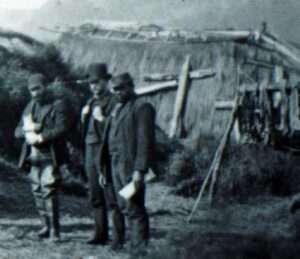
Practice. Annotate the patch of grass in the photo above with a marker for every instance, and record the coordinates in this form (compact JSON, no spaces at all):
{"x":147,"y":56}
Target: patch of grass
{"x":194,"y":245}
{"x":253,"y":170}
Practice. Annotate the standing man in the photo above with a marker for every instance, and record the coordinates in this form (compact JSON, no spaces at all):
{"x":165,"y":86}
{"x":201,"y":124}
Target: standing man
{"x":126,"y":155}
{"x":93,"y":119}
{"x":43,"y":126}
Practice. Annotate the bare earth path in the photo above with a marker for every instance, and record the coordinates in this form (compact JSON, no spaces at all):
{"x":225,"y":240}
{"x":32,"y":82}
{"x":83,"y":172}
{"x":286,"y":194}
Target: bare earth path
{"x":168,"y":213}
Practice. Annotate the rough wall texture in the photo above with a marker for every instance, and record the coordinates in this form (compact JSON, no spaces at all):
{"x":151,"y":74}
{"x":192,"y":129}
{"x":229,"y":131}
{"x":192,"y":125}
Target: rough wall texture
{"x":200,"y":117}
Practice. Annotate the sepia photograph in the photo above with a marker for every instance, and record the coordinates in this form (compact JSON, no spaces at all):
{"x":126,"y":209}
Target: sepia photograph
{"x":154,"y":129}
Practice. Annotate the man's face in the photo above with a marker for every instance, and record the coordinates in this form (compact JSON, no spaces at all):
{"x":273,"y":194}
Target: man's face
{"x":123,"y":92}
{"x":98,"y":87}
{"x":37,"y":92}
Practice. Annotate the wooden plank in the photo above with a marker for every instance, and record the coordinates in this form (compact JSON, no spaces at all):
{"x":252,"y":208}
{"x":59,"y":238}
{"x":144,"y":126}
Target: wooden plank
{"x":180,"y":97}
{"x":143,"y":90}
{"x":196,"y":74}
{"x":237,"y":130}
{"x":259,"y":63}
{"x":213,"y":35}
{"x":282,"y":49}
{"x":224,"y":105}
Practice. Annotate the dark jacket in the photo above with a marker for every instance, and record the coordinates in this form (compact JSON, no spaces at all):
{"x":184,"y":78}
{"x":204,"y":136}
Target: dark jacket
{"x":107,"y":103}
{"x":54,"y":127}
{"x":136,"y":124}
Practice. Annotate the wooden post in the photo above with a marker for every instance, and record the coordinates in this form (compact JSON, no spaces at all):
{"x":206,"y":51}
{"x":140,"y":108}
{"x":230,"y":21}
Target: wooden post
{"x":219,"y":154}
{"x":180,"y":97}
{"x":232,"y":122}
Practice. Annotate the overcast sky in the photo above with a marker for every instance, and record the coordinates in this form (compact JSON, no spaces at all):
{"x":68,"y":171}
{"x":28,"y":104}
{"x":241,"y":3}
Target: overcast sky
{"x":21,"y":4}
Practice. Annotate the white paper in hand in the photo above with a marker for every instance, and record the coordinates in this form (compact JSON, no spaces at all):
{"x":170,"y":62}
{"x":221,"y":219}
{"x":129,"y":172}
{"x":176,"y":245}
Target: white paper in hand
{"x":28,"y":124}
{"x":149,"y":176}
{"x":128,"y":191}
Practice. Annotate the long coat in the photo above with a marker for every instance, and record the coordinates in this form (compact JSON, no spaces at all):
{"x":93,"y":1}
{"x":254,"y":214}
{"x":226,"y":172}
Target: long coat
{"x":136,"y":125}
{"x":54,"y":128}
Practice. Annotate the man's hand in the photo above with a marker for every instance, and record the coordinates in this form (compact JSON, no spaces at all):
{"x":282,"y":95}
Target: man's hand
{"x":138,"y":179}
{"x":33,"y":138}
{"x":102,"y":180}
{"x":97,"y":114}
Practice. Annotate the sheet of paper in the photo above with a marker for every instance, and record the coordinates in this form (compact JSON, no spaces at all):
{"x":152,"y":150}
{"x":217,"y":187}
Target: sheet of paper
{"x":128,"y":191}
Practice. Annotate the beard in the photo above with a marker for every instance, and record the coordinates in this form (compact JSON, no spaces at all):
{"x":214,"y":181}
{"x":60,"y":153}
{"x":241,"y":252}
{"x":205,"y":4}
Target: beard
{"x":123,"y":98}
{"x":38,"y":99}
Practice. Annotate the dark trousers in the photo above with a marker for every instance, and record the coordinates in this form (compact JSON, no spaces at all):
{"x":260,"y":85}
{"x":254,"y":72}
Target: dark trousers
{"x":45,"y":181}
{"x":134,"y":208}
{"x":96,"y":192}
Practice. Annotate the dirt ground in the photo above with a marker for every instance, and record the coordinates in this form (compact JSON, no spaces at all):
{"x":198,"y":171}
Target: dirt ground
{"x":220,"y":227}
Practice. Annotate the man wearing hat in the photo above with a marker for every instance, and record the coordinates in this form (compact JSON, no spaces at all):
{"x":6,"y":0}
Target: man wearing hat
{"x":93,"y":118}
{"x":43,"y":126}
{"x":126,"y":155}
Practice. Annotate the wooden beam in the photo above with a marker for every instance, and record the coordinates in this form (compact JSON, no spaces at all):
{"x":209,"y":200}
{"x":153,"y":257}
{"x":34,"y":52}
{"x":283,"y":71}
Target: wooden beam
{"x":229,"y":35}
{"x":259,"y":63}
{"x":282,"y":49}
{"x":180,"y":97}
{"x":143,"y":90}
{"x":196,"y":74}
{"x":224,"y":105}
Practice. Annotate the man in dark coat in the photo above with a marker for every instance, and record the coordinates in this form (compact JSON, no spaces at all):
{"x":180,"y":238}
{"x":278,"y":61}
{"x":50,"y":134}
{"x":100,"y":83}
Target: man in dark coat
{"x":43,"y":126}
{"x":94,"y":114}
{"x":126,"y":155}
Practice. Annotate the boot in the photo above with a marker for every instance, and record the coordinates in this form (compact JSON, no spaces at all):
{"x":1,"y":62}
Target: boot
{"x":100,"y":236}
{"x":53,"y":211}
{"x":45,"y":231}
{"x":118,"y":231}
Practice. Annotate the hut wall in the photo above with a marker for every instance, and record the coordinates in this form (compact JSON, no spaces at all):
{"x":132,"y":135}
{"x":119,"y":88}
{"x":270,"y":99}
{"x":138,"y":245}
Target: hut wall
{"x":200,"y":117}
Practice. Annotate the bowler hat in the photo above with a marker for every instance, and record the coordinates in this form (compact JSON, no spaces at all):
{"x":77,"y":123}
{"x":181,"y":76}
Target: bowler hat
{"x":36,"y":80}
{"x":122,"y":80}
{"x":97,"y":71}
